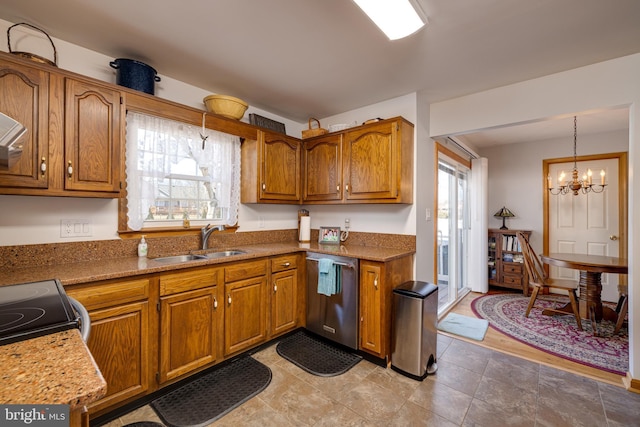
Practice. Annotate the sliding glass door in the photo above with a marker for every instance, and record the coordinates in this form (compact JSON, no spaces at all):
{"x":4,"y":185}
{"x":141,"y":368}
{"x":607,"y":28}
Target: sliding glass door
{"x":452,"y":230}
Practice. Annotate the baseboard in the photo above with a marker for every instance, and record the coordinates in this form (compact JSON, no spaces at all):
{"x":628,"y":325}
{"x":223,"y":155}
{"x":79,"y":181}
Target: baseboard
{"x":632,"y":384}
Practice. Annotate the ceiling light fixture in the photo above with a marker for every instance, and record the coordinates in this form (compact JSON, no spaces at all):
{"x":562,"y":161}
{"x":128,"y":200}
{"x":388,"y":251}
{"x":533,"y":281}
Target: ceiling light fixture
{"x":396,"y":18}
{"x":576,"y":185}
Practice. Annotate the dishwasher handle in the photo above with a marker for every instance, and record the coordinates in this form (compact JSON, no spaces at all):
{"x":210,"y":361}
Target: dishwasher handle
{"x":343,"y":264}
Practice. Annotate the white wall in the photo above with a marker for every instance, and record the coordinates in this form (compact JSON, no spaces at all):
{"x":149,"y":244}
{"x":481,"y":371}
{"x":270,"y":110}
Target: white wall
{"x":515,"y":175}
{"x":425,"y":191}
{"x":32,"y":220}
{"x":607,"y":84}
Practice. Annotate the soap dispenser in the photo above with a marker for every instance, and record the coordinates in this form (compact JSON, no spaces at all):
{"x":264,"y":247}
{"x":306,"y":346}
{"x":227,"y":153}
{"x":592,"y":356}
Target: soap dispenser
{"x":142,"y":247}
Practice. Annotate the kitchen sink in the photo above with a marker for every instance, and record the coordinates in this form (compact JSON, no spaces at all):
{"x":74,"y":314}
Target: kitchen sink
{"x":222,"y":254}
{"x":177,"y":259}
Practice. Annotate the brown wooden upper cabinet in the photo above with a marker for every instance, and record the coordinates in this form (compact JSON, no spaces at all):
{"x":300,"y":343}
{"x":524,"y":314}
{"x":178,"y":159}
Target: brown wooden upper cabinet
{"x":73,"y":144}
{"x":271,"y":169}
{"x":25,"y":98}
{"x":367,"y":164}
{"x":92,"y":137}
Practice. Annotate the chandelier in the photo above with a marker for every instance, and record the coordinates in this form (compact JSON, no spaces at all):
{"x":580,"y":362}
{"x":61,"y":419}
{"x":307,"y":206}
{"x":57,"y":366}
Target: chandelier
{"x":576,"y":184}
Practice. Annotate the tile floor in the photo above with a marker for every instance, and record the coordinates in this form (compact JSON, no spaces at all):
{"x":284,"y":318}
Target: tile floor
{"x":473,"y":386}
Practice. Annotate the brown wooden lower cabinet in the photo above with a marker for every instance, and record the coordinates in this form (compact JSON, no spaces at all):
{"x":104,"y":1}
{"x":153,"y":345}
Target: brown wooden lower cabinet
{"x":285,"y":306}
{"x":120,"y":340}
{"x":152,"y":331}
{"x":188,"y":331}
{"x":377,"y":281}
{"x":190,"y":317}
{"x":245,"y":308}
{"x":371,"y":297}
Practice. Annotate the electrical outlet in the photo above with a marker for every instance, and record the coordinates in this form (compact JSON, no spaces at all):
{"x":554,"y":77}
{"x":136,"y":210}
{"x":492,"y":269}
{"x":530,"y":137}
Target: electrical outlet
{"x":347,"y":223}
{"x":75,"y":228}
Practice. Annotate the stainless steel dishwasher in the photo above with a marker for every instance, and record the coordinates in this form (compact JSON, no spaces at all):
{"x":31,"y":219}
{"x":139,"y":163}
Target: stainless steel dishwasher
{"x":334,"y":317}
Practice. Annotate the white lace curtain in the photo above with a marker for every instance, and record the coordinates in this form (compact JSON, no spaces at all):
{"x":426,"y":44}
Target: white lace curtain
{"x":156,"y":150}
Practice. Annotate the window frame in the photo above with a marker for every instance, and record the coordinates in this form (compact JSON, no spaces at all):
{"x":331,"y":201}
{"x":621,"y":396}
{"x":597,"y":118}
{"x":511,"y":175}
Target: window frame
{"x":145,"y":104}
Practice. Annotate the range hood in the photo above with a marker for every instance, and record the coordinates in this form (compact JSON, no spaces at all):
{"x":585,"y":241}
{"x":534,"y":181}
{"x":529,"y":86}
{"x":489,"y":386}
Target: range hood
{"x":11,"y":133}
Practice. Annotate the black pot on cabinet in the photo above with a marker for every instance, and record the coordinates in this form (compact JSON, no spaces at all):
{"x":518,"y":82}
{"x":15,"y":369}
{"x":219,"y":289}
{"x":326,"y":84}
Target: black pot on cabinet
{"x":135,"y":75}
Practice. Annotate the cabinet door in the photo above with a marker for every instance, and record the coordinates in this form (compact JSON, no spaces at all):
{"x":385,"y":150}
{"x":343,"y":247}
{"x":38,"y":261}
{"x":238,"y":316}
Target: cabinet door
{"x":371,"y":294}
{"x":280,"y":167}
{"x":188,"y":326}
{"x":92,"y":137}
{"x":284,"y":297}
{"x":245,"y":320}
{"x":25,"y":93}
{"x":119,"y":342}
{"x":322,"y":165}
{"x":371,"y":162}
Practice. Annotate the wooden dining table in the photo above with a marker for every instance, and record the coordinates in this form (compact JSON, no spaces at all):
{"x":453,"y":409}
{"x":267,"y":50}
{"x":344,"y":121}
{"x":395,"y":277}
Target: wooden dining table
{"x":591,"y":268}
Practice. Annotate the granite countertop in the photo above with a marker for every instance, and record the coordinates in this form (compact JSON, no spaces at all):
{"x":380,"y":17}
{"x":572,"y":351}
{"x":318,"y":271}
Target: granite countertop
{"x":114,"y":268}
{"x":52,"y":369}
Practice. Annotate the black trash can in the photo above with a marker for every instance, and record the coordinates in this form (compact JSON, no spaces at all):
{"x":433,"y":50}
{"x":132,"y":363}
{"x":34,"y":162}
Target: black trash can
{"x":414,"y":333}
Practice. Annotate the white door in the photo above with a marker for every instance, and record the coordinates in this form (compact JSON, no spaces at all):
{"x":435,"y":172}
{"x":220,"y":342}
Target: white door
{"x":586,"y":223}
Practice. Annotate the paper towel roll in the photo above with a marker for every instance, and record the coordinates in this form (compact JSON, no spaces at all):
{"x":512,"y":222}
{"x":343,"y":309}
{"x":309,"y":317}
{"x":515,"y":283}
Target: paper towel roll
{"x":305,"y":229}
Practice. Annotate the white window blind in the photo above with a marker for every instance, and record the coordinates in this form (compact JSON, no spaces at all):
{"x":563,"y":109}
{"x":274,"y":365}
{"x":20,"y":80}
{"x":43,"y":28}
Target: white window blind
{"x":171,"y":177}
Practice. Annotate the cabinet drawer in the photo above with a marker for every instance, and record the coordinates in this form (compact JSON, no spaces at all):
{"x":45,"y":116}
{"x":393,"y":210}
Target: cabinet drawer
{"x":512,"y":280}
{"x":285,"y":262}
{"x":186,"y":281}
{"x":245,"y":270}
{"x":110,"y":294}
{"x":512,"y":268}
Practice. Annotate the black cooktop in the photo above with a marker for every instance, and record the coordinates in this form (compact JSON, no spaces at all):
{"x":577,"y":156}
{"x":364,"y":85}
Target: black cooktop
{"x":29,"y":310}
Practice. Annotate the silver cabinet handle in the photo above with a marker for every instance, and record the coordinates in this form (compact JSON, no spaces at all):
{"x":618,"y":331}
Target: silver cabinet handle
{"x":375,"y":282}
{"x":70,"y":169}
{"x":43,"y":166}
{"x":264,"y":186}
{"x":275,"y":288}
{"x":286,"y":264}
{"x":215,"y":303}
{"x":229,"y":299}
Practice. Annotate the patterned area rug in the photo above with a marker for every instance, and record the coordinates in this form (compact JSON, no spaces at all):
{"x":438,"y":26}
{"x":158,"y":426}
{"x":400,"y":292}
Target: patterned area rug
{"x":557,"y":335}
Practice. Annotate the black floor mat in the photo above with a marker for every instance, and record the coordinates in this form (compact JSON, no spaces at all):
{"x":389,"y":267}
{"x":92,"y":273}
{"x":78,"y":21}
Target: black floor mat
{"x":315,"y":356}
{"x":213,"y":395}
{"x":144,"y":424}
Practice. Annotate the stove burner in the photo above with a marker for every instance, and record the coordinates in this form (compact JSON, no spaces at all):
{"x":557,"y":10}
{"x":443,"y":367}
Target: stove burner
{"x":18,"y":317}
{"x":33,"y":309}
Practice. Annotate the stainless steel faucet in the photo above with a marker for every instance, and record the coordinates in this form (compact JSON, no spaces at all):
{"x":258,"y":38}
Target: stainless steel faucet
{"x":206,"y":231}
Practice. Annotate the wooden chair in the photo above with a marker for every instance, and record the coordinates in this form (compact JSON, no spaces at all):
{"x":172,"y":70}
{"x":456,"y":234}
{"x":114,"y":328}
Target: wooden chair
{"x":622,"y":306}
{"x":538,"y":279}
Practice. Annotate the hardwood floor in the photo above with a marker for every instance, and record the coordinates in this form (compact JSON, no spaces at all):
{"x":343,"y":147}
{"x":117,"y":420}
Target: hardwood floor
{"x":502,"y":343}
